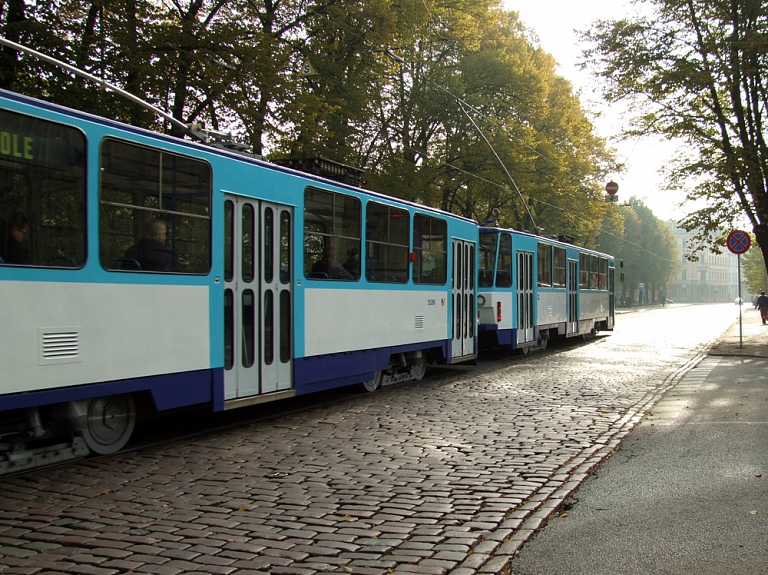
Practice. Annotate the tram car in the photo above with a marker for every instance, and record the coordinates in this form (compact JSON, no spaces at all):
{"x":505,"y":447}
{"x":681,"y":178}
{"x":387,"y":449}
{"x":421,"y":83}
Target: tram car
{"x":143,"y":269}
{"x":533,"y":288}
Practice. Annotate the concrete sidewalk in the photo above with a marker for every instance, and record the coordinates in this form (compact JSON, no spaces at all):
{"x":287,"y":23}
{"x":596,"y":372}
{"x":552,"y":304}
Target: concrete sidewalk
{"x":750,"y":339}
{"x":687,"y":491}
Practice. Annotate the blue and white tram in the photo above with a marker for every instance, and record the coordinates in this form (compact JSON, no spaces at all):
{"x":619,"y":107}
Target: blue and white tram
{"x":532,"y":288}
{"x":140,"y":267}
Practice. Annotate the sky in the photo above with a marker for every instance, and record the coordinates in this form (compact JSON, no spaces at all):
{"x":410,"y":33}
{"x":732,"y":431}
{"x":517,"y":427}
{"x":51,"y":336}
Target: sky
{"x":555,"y":22}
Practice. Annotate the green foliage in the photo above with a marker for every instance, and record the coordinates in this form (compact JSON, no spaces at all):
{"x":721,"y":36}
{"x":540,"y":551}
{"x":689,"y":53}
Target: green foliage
{"x":753,"y":270}
{"x":698,"y":71}
{"x":445,"y":103}
{"x":643,"y":242}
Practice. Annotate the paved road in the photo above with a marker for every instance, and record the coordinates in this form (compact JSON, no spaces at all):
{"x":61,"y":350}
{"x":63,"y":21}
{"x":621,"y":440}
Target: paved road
{"x":444,"y":476}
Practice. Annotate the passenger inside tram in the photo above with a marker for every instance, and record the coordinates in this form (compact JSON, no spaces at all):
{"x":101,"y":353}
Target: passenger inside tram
{"x":330,"y":266}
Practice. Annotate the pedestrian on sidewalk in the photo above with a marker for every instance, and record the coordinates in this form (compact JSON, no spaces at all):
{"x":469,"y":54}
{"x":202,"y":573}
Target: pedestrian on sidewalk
{"x":762,"y":303}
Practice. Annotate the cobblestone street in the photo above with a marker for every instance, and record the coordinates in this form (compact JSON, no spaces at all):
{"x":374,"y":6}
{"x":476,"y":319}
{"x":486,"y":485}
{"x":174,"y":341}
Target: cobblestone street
{"x":448,"y":475}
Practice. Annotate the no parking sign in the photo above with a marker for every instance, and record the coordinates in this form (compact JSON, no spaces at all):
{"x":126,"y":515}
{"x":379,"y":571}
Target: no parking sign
{"x":738,"y":242}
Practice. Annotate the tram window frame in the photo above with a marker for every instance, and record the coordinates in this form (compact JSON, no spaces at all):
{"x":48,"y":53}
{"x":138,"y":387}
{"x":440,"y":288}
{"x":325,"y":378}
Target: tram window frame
{"x":43,"y":193}
{"x":430,"y":246}
{"x":504,"y":262}
{"x":488,"y":244}
{"x":387,"y":246}
{"x":560,"y":259}
{"x":584,"y":271}
{"x":544,"y":256}
{"x":176,"y":190}
{"x":332,"y":224}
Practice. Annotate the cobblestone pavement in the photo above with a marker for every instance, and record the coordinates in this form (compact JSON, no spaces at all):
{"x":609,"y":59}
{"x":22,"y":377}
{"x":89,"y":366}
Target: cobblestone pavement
{"x":449,"y":475}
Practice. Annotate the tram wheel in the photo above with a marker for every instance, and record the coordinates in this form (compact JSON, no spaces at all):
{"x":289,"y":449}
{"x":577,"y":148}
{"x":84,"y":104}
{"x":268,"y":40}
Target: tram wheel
{"x":109,"y":423}
{"x":372,"y":384}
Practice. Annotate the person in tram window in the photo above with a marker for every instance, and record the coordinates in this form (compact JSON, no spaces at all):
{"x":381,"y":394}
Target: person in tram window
{"x":151,"y":252}
{"x":352,"y":265}
{"x":330,"y":266}
{"x":14,"y":232}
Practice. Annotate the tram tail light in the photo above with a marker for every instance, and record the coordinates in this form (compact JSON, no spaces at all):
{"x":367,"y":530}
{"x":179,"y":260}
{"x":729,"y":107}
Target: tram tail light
{"x":498,"y":311}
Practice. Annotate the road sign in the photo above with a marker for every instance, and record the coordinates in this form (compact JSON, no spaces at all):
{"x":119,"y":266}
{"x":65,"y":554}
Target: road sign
{"x":738,"y":242}
{"x":611,"y":187}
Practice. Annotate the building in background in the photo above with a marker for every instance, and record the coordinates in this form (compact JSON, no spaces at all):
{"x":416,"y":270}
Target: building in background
{"x":713,"y":278}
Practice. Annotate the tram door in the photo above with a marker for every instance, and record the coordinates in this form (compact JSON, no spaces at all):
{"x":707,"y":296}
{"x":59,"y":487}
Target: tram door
{"x":257,"y":298}
{"x":524,"y":297}
{"x":463,"y":293}
{"x":572,"y":288}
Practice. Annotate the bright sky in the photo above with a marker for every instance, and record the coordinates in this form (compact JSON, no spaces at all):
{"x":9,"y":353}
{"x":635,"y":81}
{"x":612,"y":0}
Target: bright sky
{"x":554,"y":21}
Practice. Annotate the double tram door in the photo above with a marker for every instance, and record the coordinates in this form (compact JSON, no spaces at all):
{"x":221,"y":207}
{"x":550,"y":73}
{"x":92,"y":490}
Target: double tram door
{"x":572,"y":288}
{"x":463,"y":294}
{"x":524,"y":297}
{"x":257,"y":298}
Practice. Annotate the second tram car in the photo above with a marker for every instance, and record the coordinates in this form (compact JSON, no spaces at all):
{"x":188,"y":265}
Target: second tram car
{"x":532,"y":288}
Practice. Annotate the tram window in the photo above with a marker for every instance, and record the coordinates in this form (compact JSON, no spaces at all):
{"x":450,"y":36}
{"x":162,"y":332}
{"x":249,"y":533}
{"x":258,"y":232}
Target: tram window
{"x":155,"y":210}
{"x":603,"y":274}
{"x":285,"y":247}
{"x":268,"y":248}
{"x":285,"y":326}
{"x":544,"y":253}
{"x":504,"y":263}
{"x":560,"y":259}
{"x":246,"y":238}
{"x":42,"y":193}
{"x":594,"y":267}
{"x":229,"y":239}
{"x":430,"y":240}
{"x":331,"y":235}
{"x":487,"y":259}
{"x":387,"y":233}
{"x":584,"y":271}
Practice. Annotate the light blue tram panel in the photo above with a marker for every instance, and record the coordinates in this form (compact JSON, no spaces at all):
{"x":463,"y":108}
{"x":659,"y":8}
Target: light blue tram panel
{"x":388,"y":288}
{"x":530,"y":289}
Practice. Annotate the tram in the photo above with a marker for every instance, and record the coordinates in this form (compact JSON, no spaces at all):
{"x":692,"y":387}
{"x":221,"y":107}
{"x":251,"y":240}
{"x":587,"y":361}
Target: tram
{"x":533,"y":288}
{"x":142,"y":269}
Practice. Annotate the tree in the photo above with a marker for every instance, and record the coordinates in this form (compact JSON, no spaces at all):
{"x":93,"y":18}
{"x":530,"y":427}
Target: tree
{"x":753,"y":270}
{"x":645,"y":244}
{"x":698,"y":71}
{"x":448,"y":103}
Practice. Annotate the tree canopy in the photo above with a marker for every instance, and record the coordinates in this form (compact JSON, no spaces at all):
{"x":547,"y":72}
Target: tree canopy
{"x":644,"y":243}
{"x":451,"y":104}
{"x":697,"y":71}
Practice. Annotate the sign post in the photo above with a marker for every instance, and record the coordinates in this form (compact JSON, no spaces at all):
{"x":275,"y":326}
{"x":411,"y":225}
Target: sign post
{"x":738,"y":242}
